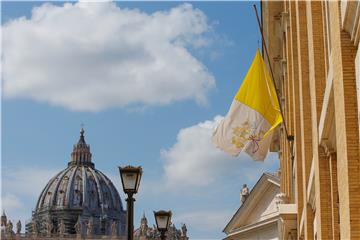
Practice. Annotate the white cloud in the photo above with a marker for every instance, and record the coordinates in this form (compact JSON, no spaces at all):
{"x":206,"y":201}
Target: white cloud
{"x":14,"y":208}
{"x":20,"y":189}
{"x":11,"y":202}
{"x":199,"y":174}
{"x":26,"y":181}
{"x":194,"y":160}
{"x":92,"y":56}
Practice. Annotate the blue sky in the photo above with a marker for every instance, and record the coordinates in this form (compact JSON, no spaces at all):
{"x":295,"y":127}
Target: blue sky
{"x":148,"y":95}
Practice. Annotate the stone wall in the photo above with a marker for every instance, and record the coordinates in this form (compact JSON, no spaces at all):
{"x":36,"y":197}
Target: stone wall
{"x":319,"y":88}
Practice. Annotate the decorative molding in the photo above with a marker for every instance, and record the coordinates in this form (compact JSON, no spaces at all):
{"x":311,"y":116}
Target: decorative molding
{"x":284,"y":21}
{"x":281,"y":198}
{"x":253,"y":226}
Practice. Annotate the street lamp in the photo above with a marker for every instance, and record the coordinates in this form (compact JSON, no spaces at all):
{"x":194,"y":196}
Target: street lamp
{"x":130,"y":179}
{"x":163,"y":219}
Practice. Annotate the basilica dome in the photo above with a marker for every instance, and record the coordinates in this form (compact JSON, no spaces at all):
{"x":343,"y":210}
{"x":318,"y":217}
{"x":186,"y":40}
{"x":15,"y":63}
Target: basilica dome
{"x":80,"y":191}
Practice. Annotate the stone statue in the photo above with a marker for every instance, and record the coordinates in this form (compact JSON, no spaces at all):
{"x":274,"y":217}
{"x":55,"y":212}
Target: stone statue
{"x":49,"y":227}
{"x":172,"y":229}
{"x":90,"y":227}
{"x":9,"y":228}
{"x":34,"y":228}
{"x":244,"y":193}
{"x":62,"y":227}
{"x":156,"y":231}
{"x":78,"y":226}
{"x":18,"y":227}
{"x":3,"y":231}
{"x":183,"y":230}
{"x":3,"y":220}
{"x":113,"y":228}
{"x":3,"y":223}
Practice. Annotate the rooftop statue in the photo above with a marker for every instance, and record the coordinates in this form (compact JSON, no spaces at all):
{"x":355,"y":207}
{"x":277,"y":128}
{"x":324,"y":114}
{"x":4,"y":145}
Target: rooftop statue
{"x":78,"y":226}
{"x":114,"y":228}
{"x":183,"y":230}
{"x":34,"y":227}
{"x":62,"y":227}
{"x":49,"y":227}
{"x":90,"y":227}
{"x":3,"y":223}
{"x":18,"y":227}
{"x":244,"y":193}
{"x":9,"y":228}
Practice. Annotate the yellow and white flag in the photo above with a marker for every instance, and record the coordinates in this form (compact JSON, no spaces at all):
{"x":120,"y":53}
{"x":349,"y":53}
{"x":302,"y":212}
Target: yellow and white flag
{"x":252,"y":116}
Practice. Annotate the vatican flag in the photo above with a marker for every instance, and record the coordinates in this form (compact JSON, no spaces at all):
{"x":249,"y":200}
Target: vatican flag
{"x":252,"y":116}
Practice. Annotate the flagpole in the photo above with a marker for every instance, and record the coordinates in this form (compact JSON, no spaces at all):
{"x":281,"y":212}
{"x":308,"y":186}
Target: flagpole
{"x":290,"y":138}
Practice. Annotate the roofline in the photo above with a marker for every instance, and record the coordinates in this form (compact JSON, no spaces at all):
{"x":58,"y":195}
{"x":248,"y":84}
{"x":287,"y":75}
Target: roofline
{"x":275,"y":180}
{"x":254,"y":226}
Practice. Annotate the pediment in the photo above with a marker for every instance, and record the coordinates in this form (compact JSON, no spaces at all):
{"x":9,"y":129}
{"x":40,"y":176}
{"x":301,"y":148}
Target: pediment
{"x":263,"y":208}
{"x":259,"y":206}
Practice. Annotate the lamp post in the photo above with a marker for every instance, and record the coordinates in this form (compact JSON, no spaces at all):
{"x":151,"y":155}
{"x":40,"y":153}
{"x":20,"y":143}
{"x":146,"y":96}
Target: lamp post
{"x":162,"y":219}
{"x":130,"y":179}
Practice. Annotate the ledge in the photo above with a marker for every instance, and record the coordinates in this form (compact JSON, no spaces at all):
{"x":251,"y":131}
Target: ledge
{"x":287,"y":211}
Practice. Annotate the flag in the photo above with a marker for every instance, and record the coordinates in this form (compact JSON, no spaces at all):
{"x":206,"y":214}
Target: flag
{"x":252,"y":116}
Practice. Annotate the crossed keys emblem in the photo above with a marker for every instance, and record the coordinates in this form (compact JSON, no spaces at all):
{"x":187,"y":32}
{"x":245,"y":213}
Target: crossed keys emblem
{"x":245,"y":133}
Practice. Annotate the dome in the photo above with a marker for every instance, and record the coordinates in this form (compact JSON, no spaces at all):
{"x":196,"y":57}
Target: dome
{"x":80,"y":187}
{"x":80,"y":191}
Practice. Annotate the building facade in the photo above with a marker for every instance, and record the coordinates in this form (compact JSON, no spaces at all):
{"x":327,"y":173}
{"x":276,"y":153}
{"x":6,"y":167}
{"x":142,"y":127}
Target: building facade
{"x":145,"y":232}
{"x":258,"y":215}
{"x":314,"y":53}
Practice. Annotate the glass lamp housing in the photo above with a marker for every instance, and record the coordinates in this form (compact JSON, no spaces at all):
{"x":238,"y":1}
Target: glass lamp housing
{"x":163,"y":219}
{"x":130,"y":178}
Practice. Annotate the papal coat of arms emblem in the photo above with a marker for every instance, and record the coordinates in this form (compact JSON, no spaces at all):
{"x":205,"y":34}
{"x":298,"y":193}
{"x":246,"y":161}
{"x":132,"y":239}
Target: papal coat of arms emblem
{"x":245,"y":133}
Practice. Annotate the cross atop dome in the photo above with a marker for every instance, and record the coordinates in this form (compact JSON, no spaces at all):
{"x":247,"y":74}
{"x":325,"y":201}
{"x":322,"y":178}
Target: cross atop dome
{"x":82,"y":138}
{"x":82,"y":129}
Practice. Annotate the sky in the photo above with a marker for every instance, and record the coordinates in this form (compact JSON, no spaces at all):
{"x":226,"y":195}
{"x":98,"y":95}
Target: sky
{"x":150,"y":81}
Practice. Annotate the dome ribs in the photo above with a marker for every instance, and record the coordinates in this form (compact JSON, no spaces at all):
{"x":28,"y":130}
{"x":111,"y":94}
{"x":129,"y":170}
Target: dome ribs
{"x":54,"y":197}
{"x":69,"y":190}
{"x":51,"y":185}
{"x":84,"y":187}
{"x":41,"y":199}
{"x":110,"y":186}
{"x":98,"y":189}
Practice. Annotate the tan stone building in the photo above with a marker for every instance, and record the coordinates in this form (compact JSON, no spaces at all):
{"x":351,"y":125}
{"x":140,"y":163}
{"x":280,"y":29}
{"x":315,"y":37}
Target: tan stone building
{"x":314,"y":52}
